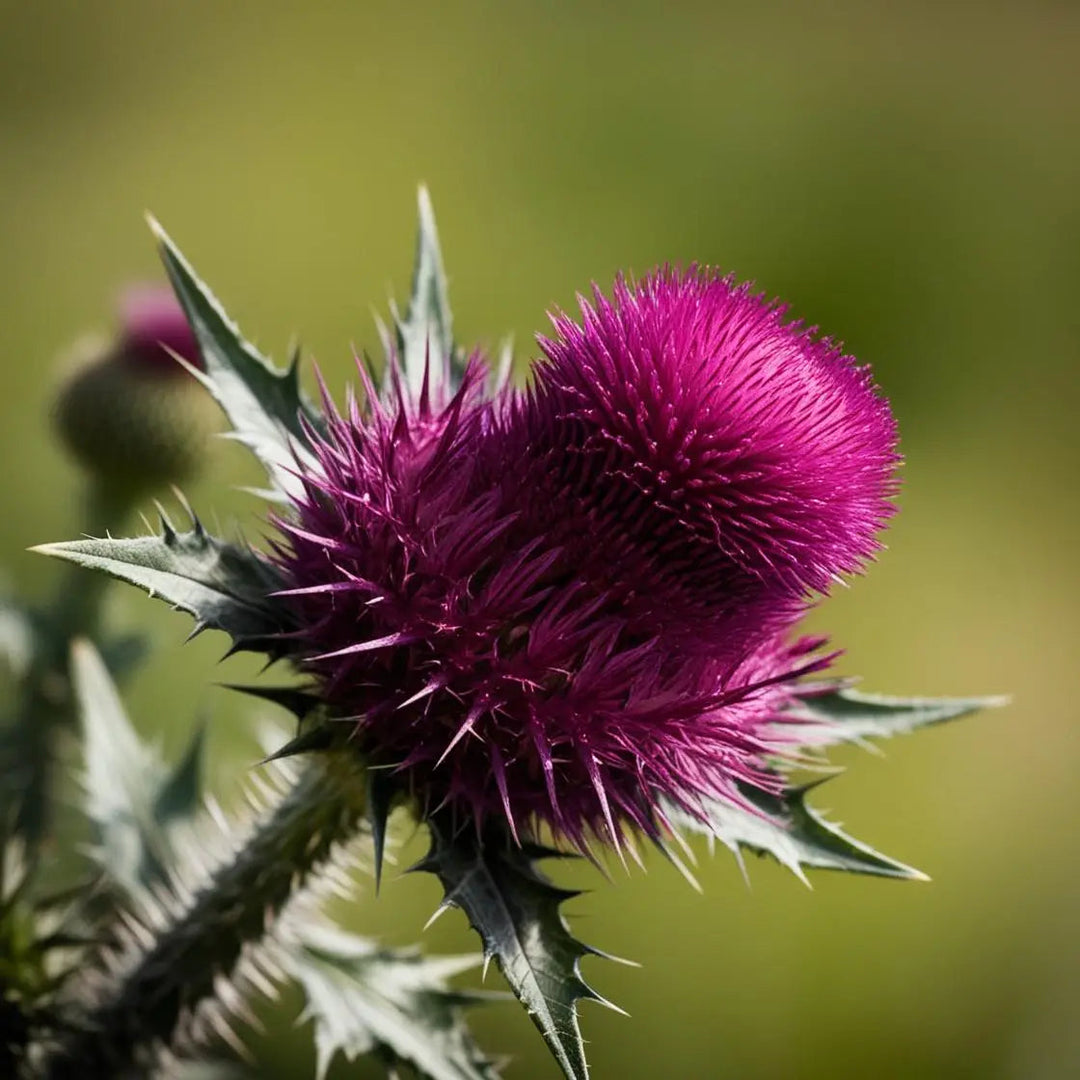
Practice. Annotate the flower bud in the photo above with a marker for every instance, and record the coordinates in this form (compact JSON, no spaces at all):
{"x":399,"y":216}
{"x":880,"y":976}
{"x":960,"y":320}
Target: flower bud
{"x":127,"y":410}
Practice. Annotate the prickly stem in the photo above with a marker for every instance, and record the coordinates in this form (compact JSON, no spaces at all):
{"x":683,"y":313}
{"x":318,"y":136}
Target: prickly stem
{"x":147,"y":1006}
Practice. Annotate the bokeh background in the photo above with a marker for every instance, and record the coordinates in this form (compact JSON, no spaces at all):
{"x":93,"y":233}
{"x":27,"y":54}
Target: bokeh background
{"x":906,"y":174}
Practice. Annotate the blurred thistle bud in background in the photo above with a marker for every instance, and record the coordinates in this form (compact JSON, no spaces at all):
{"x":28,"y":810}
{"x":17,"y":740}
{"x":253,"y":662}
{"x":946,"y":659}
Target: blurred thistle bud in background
{"x":131,"y":414}
{"x":127,"y":410}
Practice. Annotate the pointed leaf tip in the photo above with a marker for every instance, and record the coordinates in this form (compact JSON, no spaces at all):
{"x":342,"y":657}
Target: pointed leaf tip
{"x":134,"y":802}
{"x":427,"y":359}
{"x":309,"y":740}
{"x":848,"y":715}
{"x":224,"y":587}
{"x":396,"y":1004}
{"x":381,"y":792}
{"x":265,"y":406}
{"x":516,"y":911}
{"x":181,"y":793}
{"x":787,"y":828}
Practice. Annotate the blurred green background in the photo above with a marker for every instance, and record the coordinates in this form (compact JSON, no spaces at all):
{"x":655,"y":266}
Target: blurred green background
{"x":907,"y":175}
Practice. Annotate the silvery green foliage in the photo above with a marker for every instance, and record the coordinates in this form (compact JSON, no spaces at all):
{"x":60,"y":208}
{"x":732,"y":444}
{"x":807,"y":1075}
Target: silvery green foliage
{"x":394,"y":1003}
{"x":264,"y":404}
{"x":516,"y":911}
{"x":135,"y":803}
{"x":425,"y":336}
{"x":223,"y":586}
{"x":790,"y":830}
{"x":201,"y":935}
{"x":785,"y":826}
{"x":853,"y":716}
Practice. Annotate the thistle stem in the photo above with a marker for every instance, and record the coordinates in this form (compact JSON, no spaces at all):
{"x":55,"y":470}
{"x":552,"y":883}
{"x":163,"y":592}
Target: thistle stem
{"x":76,"y":610}
{"x":44,"y":707}
{"x":206,"y":938}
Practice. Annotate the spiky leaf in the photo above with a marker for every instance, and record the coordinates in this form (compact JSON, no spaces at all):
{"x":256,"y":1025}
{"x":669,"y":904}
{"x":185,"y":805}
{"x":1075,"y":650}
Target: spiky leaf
{"x":786,"y":827}
{"x":225,"y":587}
{"x":180,"y":795}
{"x":364,"y":999}
{"x":264,"y":404}
{"x":291,"y":698}
{"x":134,"y":801}
{"x":425,"y":336}
{"x":846,"y":715}
{"x":515,"y":910}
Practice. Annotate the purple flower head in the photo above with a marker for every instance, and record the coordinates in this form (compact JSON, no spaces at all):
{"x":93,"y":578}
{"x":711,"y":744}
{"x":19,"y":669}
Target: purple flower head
{"x":717,"y":416}
{"x":495,"y":631}
{"x":154,"y":327}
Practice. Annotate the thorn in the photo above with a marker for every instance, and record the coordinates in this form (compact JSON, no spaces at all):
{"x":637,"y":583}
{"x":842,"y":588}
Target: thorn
{"x":426,"y":865}
{"x":182,"y":499}
{"x":380,"y":796}
{"x":592,"y":995}
{"x":314,"y":739}
{"x":443,"y":907}
{"x":590,"y":951}
{"x":298,"y":702}
{"x":168,"y":531}
{"x":740,"y":861}
{"x":432,"y":687}
{"x":470,"y":722}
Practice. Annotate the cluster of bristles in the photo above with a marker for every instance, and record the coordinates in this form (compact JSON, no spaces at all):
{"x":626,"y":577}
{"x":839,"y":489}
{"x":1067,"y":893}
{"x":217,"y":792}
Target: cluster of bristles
{"x":190,"y":901}
{"x":570,"y":605}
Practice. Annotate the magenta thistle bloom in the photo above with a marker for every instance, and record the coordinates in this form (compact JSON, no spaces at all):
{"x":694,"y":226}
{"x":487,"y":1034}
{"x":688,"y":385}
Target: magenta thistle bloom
{"x":767,"y":443}
{"x":569,"y":607}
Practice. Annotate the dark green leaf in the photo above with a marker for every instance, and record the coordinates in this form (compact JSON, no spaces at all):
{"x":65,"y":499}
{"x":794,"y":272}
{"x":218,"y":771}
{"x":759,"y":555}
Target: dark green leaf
{"x":293,"y":699}
{"x":364,"y":999}
{"x":180,"y":795}
{"x":223,"y":586}
{"x":309,"y":739}
{"x":132,"y":799}
{"x":264,"y":404}
{"x":792,"y":832}
{"x":846,"y":715}
{"x":515,"y":910}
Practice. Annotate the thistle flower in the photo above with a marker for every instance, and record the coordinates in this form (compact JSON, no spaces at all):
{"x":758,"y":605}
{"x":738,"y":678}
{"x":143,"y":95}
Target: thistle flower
{"x":570,"y":607}
{"x":697,"y":400}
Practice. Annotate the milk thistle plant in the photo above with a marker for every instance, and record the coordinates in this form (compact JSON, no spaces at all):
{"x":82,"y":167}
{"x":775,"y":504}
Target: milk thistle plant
{"x":544,"y":620}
